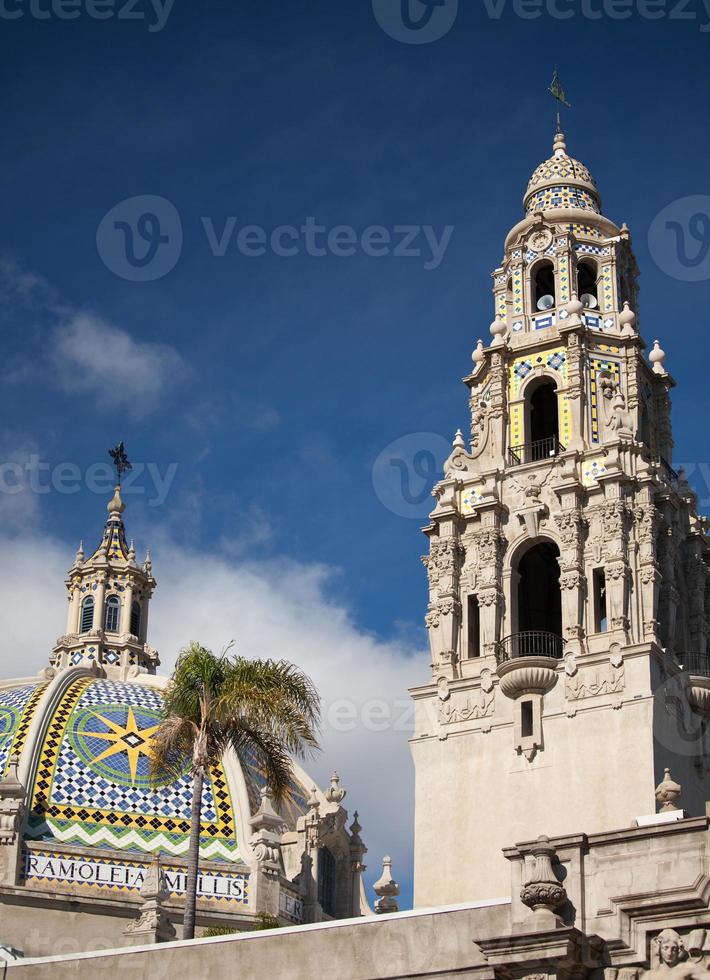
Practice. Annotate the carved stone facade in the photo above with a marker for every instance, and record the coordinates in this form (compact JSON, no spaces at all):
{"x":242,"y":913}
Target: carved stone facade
{"x":561,"y":535}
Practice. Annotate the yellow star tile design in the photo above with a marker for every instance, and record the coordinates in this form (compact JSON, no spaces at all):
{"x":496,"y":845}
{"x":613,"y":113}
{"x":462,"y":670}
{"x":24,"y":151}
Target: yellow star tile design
{"x":126,"y":738}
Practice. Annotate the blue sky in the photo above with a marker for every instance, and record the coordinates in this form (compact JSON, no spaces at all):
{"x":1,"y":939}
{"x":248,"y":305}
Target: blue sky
{"x":275,"y":383}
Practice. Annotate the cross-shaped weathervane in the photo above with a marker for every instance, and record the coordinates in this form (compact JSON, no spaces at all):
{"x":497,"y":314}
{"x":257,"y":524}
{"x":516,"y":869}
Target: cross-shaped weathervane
{"x":120,"y":460}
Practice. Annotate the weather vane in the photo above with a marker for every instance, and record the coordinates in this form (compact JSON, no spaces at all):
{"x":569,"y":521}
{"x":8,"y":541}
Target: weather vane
{"x":558,"y":93}
{"x":120,"y":460}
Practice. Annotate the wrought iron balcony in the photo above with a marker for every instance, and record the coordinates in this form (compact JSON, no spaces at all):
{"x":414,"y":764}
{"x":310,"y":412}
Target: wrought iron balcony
{"x":530,"y":643}
{"x":535,"y":452}
{"x":695,"y":664}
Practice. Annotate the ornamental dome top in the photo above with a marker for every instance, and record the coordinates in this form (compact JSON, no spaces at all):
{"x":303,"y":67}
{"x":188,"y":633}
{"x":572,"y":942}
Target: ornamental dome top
{"x":562,"y":182}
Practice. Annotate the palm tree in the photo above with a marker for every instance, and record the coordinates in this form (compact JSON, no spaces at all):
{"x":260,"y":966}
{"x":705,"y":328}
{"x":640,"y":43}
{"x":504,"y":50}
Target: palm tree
{"x":214,"y":703}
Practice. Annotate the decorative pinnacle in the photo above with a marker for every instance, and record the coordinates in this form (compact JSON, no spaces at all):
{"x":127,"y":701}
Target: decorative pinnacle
{"x":116,"y":504}
{"x":459,"y":440}
{"x":334,"y":794}
{"x":668,"y":793}
{"x":657,"y":358}
{"x":478,"y":357}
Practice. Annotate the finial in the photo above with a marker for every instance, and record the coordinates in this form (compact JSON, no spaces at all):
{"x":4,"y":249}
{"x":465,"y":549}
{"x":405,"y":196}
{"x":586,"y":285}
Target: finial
{"x":334,"y":794}
{"x":386,"y":890}
{"x":498,"y":331}
{"x":355,"y":827}
{"x":627,"y":321}
{"x":116,"y":504}
{"x":575,"y":305}
{"x":148,"y":563}
{"x":458,"y":440}
{"x":668,"y":793}
{"x":314,"y":802}
{"x":79,"y":557}
{"x":478,"y":357}
{"x":657,"y":358}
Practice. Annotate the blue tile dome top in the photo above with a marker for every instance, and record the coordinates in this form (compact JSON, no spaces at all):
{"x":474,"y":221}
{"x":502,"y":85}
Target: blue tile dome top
{"x":562,"y":182}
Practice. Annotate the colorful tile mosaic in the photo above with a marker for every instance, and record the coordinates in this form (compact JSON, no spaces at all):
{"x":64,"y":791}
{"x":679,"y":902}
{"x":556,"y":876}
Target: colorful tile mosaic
{"x":591,"y":470}
{"x":563,"y":279}
{"x":470,"y":496}
{"x":17,"y":709}
{"x":607,"y":297}
{"x":561,"y":196}
{"x":518,"y":304}
{"x":128,"y":876}
{"x":560,"y":168}
{"x":93,"y":786}
{"x":587,"y":231}
{"x":519,"y":371}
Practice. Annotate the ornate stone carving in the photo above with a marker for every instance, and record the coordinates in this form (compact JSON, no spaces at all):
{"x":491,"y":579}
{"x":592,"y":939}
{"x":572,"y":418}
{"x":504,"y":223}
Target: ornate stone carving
{"x":592,"y":681}
{"x":542,"y":889}
{"x":668,"y":793}
{"x":152,"y":924}
{"x":468,"y":706}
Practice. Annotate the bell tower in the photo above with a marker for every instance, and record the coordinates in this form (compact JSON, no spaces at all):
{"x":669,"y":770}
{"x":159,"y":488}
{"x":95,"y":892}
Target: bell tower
{"x":109,"y":593}
{"x":568,"y":610}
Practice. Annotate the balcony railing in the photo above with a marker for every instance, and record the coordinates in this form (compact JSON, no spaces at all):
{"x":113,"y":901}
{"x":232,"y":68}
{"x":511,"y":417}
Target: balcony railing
{"x":530,"y":643}
{"x":535,"y":452}
{"x":695,"y":663}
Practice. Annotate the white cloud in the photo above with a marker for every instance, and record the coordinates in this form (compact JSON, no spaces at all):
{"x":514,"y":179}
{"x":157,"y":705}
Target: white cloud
{"x":93,"y":356}
{"x":276,"y":608}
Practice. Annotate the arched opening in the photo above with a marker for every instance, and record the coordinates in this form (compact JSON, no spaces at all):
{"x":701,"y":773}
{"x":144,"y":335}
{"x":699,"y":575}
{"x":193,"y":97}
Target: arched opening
{"x":112,"y":614}
{"x":136,"y":619}
{"x":542,"y":425}
{"x":543,"y":286}
{"x":87,"y":614}
{"x":587,"y":287}
{"x":539,"y":601}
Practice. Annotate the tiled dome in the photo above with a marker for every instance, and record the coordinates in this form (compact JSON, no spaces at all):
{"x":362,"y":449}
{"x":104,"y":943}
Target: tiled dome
{"x":92,"y":785}
{"x":562,"y":182}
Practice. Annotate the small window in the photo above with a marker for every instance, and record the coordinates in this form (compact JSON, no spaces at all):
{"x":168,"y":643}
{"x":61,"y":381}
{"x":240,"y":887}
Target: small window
{"x":136,"y":619}
{"x":474,"y":627}
{"x":87,"y":614}
{"x":601,"y":624}
{"x":526,"y":719}
{"x":113,"y":608}
{"x":326,"y":881}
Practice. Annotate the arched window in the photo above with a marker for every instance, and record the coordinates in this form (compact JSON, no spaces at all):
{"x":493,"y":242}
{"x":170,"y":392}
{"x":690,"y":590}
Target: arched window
{"x":87,"y":614}
{"x":136,"y":619}
{"x":111,"y":617}
{"x":543,"y":287}
{"x":539,"y":600}
{"x":587,"y":288}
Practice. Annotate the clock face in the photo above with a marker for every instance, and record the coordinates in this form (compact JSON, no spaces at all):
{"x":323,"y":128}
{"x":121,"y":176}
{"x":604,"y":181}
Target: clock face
{"x":541,"y":240}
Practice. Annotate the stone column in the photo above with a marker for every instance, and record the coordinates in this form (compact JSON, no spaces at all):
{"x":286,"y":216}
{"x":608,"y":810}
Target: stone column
{"x":126,"y":610}
{"x":647,"y":518}
{"x":490,"y":545}
{"x":152,"y":924}
{"x":267,"y":827}
{"x":573,"y":582}
{"x":614,"y":522}
{"x":99,"y":597}
{"x":443,"y":618}
{"x":12,"y":809}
